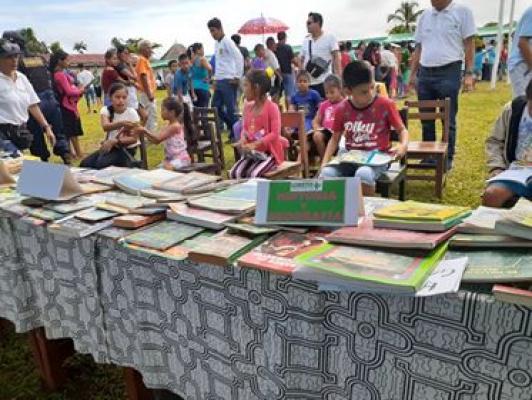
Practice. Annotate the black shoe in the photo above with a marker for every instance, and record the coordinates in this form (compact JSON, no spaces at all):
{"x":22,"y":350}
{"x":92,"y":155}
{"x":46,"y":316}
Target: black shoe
{"x":67,"y":159}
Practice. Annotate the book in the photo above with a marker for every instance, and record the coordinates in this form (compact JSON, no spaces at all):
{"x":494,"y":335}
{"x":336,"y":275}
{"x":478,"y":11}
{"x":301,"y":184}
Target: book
{"x":135,"y":183}
{"x":75,"y":228}
{"x":508,"y":265}
{"x":92,"y":187}
{"x":163,"y":235}
{"x":45,"y":215}
{"x":365,"y":234}
{"x":510,"y":227}
{"x":372,"y":204}
{"x":127,"y":201}
{"x":183,"y":182}
{"x":250,"y":229}
{"x":278,"y":253}
{"x":223,"y":248}
{"x":112,"y":208}
{"x":362,"y":157}
{"x":95,"y":215}
{"x":195,"y":216}
{"x":513,"y":295}
{"x":520,"y":176}
{"x":482,"y":220}
{"x":162,"y":195}
{"x":521,"y":214}
{"x":72,"y":206}
{"x":423,"y":226}
{"x":417,"y":211}
{"x":237,"y":199}
{"x":464,"y":240}
{"x":377,"y":269}
{"x":132,"y":221}
{"x":106,"y":176}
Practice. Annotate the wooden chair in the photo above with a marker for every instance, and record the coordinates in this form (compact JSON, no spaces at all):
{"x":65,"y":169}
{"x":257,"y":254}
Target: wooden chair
{"x":143,"y":152}
{"x":293,"y":120}
{"x":396,"y":175}
{"x":208,"y":142}
{"x":430,"y":110}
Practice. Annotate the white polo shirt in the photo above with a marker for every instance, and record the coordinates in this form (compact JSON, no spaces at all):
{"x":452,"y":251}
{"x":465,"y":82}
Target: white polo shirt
{"x":322,"y":47}
{"x":229,"y":60}
{"x":15,"y":98}
{"x":441,"y":34}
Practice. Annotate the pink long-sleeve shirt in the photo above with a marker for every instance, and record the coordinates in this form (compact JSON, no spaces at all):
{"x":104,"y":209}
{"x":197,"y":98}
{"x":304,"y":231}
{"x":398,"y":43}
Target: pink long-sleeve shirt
{"x":69,"y":92}
{"x":266,"y":127}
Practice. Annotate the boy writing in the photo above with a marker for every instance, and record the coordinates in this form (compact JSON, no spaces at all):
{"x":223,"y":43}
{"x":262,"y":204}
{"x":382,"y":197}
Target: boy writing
{"x":365,"y":120}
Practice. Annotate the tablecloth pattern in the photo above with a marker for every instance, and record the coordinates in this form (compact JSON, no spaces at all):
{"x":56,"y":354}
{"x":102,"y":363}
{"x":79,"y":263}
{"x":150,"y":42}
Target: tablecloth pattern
{"x":207,"y":332}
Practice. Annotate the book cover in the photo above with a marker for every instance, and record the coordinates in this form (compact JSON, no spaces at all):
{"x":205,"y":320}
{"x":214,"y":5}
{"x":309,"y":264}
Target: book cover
{"x":163,"y":235}
{"x":278,"y":253}
{"x":362,"y":157}
{"x":45,"y":215}
{"x":186,"y":181}
{"x":196,"y":216}
{"x":223,"y":248}
{"x":417,"y":211}
{"x":162,"y":195}
{"x":521,"y":213}
{"x":132,"y":221}
{"x":76,"y":228}
{"x":127,"y":201}
{"x":178,"y":252}
{"x":510,"y":227}
{"x":487,"y":241}
{"x":374,"y":267}
{"x":134,"y":183}
{"x":237,"y":199}
{"x":251,"y":229}
{"x":482,"y":220}
{"x":106,"y":176}
{"x":520,"y":176}
{"x":513,"y":295}
{"x":92,"y":187}
{"x":423,"y":226}
{"x":496,"y":266}
{"x":365,"y":234}
{"x":95,"y":215}
{"x":68,"y":207}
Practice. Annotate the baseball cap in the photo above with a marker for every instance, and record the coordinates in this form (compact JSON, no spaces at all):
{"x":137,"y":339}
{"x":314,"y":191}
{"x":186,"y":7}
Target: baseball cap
{"x":8,"y":49}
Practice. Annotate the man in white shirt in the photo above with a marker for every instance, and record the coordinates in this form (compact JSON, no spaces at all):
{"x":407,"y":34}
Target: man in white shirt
{"x":321,"y":48}
{"x":444,"y":37}
{"x":520,"y":60}
{"x":86,"y":78}
{"x":227,"y":75}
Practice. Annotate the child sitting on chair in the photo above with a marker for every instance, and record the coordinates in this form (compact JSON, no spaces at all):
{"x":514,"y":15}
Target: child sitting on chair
{"x":261,"y":144}
{"x":173,"y":135}
{"x":510,"y":146}
{"x":305,"y":99}
{"x":323,"y":123}
{"x":119,"y":122}
{"x":365,"y":120}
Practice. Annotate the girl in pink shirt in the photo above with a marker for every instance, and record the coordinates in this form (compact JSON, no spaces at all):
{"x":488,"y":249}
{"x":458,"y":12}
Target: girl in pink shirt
{"x":261,"y":144}
{"x":173,"y":135}
{"x":69,"y":95}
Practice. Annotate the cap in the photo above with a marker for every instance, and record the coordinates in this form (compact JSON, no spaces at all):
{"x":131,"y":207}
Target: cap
{"x":8,"y":49}
{"x":15,"y":37}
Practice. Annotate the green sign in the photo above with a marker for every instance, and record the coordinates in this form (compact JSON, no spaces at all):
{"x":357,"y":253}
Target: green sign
{"x":331,"y":202}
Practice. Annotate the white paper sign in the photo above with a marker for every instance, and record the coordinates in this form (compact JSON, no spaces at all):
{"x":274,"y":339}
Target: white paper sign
{"x":445,"y":278}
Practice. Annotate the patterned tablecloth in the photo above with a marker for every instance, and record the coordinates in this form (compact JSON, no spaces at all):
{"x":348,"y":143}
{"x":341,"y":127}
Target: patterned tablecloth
{"x":207,"y":332}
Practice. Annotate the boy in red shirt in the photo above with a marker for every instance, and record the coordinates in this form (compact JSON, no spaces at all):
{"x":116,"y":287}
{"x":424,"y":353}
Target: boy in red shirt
{"x":365,"y":120}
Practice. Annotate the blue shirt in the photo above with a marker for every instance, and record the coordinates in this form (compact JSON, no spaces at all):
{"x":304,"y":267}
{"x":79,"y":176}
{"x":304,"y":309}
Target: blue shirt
{"x":181,"y":83}
{"x":479,"y":60}
{"x":200,"y":76}
{"x":309,"y":103}
{"x":524,"y":29}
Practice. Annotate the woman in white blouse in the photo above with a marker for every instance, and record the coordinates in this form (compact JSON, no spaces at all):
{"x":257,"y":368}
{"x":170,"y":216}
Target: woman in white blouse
{"x":17,"y":101}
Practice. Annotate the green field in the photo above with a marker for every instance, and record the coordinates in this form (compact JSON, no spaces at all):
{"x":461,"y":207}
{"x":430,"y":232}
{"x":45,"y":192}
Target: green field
{"x":478,"y":111}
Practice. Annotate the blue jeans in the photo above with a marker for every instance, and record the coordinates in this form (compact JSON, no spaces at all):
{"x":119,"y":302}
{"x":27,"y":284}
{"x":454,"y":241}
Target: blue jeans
{"x":439,"y":84}
{"x":52,"y":112}
{"x":368,"y":175}
{"x":203,"y":98}
{"x":224,"y":100}
{"x":289,"y":85}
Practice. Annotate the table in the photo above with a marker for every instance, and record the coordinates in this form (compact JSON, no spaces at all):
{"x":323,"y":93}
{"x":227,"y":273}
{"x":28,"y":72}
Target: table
{"x":207,"y":332}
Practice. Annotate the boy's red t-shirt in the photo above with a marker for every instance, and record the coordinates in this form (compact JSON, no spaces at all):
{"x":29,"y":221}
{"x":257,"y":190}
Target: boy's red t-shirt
{"x":367,"y":128}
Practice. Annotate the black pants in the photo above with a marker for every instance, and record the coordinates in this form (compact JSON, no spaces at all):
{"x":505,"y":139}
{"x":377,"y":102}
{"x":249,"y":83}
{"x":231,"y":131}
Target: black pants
{"x":116,"y":157}
{"x":203,"y":98}
{"x":320,"y":89}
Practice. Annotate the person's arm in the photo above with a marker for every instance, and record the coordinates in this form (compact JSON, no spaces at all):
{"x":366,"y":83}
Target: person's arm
{"x":146,"y":86}
{"x":526,"y":51}
{"x":238,"y":58}
{"x":109,"y":126}
{"x":414,"y":66}
{"x":317,"y":121}
{"x":66,"y":87}
{"x":206,"y":64}
{"x":331,"y":148}
{"x":337,"y":63}
{"x":273,"y":116}
{"x":469,"y":56}
{"x":36,"y":113}
{"x":495,"y":143}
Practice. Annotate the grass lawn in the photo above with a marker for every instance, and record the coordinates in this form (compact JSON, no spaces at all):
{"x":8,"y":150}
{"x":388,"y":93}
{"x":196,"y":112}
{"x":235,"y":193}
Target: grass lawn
{"x":478,"y":111}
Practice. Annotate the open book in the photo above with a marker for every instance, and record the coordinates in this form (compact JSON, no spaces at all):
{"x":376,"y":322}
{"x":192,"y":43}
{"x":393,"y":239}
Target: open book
{"x":520,"y":176}
{"x":373,"y":158}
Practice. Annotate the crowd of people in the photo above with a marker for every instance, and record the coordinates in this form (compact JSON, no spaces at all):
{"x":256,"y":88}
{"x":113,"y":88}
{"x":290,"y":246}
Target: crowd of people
{"x":332,"y":82}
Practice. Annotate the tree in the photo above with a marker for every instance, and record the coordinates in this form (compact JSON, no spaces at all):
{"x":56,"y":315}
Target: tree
{"x":406,"y":15}
{"x":55,"y":46}
{"x":80,"y":47}
{"x":33,"y":45}
{"x":132,"y":44}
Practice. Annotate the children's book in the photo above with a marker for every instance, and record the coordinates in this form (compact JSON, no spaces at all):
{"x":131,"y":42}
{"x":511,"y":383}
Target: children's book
{"x":482,"y":220}
{"x":511,"y":227}
{"x":417,"y":211}
{"x":95,"y":215}
{"x":196,"y":216}
{"x":464,"y":240}
{"x":163,"y":235}
{"x":278,"y":253}
{"x":75,"y":228}
{"x":45,"y":215}
{"x":372,"y":158}
{"x":519,"y":176}
{"x":521,"y":213}
{"x":237,"y":199}
{"x":106,"y":176}
{"x":132,"y":221}
{"x":401,"y":273}
{"x":134,"y":184}
{"x":423,"y":226}
{"x":183,"y":182}
{"x":81,"y":203}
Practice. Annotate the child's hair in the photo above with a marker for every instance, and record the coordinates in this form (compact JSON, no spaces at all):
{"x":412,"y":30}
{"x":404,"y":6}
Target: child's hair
{"x":357,"y":73}
{"x":333,"y":81}
{"x":258,"y":47}
{"x":57,"y":56}
{"x":260,"y":79}
{"x":183,"y":57}
{"x":179,"y":109}
{"x":171,"y":62}
{"x":193,"y":48}
{"x":529,"y":91}
{"x":342,"y":46}
{"x":110,"y":53}
{"x":115,"y":87}
{"x":303,"y":74}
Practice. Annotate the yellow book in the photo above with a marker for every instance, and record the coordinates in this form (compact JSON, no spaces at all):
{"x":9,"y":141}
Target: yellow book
{"x":416,"y":211}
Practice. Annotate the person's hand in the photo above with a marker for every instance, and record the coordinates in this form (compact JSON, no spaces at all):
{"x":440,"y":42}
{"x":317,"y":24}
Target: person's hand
{"x":399,"y":151}
{"x":108,"y":145}
{"x":151,"y":98}
{"x":495,"y":172}
{"x":50,"y":136}
{"x":128,"y":125}
{"x":468,"y":83}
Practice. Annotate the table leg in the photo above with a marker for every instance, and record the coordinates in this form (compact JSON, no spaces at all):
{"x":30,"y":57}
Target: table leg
{"x":50,"y":356}
{"x":135,"y":388}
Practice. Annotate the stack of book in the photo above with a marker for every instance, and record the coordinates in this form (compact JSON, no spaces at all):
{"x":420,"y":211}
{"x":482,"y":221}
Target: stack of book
{"x":517,"y":221}
{"x":145,"y":180}
{"x":237,"y":199}
{"x":196,"y":216}
{"x":416,"y":216}
{"x":181,"y":183}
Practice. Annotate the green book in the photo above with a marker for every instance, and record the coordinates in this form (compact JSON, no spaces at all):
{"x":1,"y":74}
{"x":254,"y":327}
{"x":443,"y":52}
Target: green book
{"x":496,"y":266}
{"x":377,"y":269}
{"x":164,"y":235}
{"x":417,"y":211}
{"x":428,"y":226}
{"x":46,"y":215}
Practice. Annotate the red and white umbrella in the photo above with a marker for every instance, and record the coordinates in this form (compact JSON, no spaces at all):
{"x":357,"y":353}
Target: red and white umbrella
{"x":262,"y":26}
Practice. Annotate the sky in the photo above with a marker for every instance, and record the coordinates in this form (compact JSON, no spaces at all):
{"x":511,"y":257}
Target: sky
{"x":184,"y":21}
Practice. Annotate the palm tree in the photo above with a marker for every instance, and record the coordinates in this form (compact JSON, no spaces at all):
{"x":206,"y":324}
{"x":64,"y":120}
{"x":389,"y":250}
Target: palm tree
{"x":406,"y":15}
{"x":80,"y":47}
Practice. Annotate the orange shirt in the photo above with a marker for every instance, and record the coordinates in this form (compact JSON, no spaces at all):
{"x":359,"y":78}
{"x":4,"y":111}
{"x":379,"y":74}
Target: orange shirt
{"x":144,"y":68}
